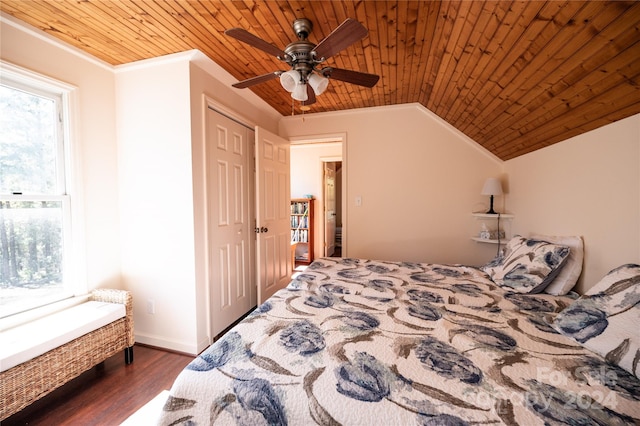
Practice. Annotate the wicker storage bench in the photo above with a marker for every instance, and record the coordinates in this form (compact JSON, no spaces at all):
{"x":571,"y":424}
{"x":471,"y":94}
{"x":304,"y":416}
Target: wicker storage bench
{"x":27,"y":382}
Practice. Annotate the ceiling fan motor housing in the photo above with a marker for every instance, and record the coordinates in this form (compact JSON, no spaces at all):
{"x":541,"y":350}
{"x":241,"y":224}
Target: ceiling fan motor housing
{"x":299,"y":56}
{"x":302,"y":27}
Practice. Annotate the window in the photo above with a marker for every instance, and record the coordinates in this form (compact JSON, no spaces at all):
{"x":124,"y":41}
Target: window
{"x":35,"y":216}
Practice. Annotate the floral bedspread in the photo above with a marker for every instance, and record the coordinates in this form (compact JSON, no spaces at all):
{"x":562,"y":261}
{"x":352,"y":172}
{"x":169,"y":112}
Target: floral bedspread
{"x":363,"y":342}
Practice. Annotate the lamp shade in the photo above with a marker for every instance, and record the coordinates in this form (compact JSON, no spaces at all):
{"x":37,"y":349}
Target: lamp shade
{"x":289,"y":80}
{"x":492,"y":186}
{"x":318,"y":83}
{"x":300,"y":93}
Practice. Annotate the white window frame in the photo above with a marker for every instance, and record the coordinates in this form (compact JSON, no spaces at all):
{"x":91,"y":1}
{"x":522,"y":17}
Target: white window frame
{"x":68,"y":189}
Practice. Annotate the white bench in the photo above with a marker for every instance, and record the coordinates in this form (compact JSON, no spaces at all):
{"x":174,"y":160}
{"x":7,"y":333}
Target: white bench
{"x":40,"y":356}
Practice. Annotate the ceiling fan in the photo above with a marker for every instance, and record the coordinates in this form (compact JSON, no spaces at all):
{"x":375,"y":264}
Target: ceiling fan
{"x":306,"y":79}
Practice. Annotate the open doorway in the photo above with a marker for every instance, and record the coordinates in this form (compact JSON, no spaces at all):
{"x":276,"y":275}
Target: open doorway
{"x":308,"y":158}
{"x":332,"y":196}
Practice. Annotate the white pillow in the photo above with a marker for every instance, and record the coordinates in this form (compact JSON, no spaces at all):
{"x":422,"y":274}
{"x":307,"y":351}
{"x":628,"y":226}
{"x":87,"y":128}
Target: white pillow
{"x":570,"y":272}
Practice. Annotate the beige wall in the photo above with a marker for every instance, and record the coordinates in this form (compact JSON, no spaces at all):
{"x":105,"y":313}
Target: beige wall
{"x":156,"y":202}
{"x":140,"y":195}
{"x":418,"y":178}
{"x":588,"y":185}
{"x":160,"y":110}
{"x":94,"y":147}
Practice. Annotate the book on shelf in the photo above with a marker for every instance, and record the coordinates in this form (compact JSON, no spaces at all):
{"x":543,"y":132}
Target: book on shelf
{"x":299,"y":207}
{"x":299,"y":236}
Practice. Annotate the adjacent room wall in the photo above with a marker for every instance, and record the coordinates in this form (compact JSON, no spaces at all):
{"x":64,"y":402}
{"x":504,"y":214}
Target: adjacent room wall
{"x":588,"y":185}
{"x":417,"y":177}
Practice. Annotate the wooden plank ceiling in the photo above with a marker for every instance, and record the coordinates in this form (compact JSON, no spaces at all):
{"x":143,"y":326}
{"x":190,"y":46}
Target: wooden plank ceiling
{"x":515,"y":76}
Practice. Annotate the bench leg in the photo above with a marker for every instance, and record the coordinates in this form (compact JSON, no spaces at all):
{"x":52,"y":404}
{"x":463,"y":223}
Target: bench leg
{"x":128,"y":355}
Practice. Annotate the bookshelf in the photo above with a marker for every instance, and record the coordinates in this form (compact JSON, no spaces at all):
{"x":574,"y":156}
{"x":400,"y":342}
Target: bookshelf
{"x":302,"y":230}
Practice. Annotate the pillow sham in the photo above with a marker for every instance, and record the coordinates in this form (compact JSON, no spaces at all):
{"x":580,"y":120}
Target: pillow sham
{"x":605,"y":320}
{"x":572,"y":268}
{"x":527,"y":265}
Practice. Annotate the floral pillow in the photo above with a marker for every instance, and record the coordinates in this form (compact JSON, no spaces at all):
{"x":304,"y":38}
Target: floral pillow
{"x":606,"y":319}
{"x":570,"y":272}
{"x":527,"y":265}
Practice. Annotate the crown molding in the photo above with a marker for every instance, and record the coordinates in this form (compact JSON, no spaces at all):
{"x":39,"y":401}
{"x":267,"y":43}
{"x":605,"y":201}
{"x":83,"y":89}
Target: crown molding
{"x":194,"y":55}
{"x":9,"y":20}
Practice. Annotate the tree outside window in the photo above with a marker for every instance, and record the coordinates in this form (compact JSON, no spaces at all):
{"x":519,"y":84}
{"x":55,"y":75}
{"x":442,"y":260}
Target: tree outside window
{"x":34,"y":204}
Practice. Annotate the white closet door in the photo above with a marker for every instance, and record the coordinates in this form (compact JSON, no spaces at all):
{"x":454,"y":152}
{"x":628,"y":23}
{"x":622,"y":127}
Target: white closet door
{"x":273,"y":213}
{"x":230,"y":207}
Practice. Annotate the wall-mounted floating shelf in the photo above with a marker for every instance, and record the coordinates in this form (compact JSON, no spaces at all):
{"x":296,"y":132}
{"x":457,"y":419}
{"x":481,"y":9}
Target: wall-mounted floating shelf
{"x":491,"y":221}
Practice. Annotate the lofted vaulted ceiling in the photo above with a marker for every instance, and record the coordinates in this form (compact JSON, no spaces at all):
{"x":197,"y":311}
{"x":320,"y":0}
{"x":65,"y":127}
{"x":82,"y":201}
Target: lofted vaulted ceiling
{"x":515,"y":76}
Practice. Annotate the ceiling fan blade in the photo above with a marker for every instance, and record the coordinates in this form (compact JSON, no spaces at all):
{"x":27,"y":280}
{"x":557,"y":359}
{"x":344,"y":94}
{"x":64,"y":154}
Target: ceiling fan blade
{"x":311,"y":96}
{"x":355,"y":77}
{"x":256,"y":80}
{"x":343,"y":36}
{"x":255,"y":41}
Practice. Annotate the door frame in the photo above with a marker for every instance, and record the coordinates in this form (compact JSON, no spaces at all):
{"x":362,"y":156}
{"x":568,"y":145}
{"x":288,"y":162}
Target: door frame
{"x":202,"y":271}
{"x":331,"y":138}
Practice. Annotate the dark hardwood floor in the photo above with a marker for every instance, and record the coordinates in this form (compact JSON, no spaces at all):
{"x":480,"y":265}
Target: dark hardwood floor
{"x":107,"y":394}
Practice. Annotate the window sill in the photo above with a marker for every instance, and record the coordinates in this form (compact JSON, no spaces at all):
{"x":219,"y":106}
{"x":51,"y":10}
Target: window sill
{"x":34,"y":314}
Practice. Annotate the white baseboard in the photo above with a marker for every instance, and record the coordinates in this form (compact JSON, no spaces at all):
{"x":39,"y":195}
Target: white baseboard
{"x":164,"y":343}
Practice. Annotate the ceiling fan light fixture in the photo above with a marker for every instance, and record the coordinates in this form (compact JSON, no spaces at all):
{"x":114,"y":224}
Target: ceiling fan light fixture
{"x":300,"y":93}
{"x":318,"y":83}
{"x":290,"y":80}
{"x":305,"y":81}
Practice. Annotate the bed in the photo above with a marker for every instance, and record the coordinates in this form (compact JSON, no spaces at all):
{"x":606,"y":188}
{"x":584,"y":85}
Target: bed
{"x":367,"y":342}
